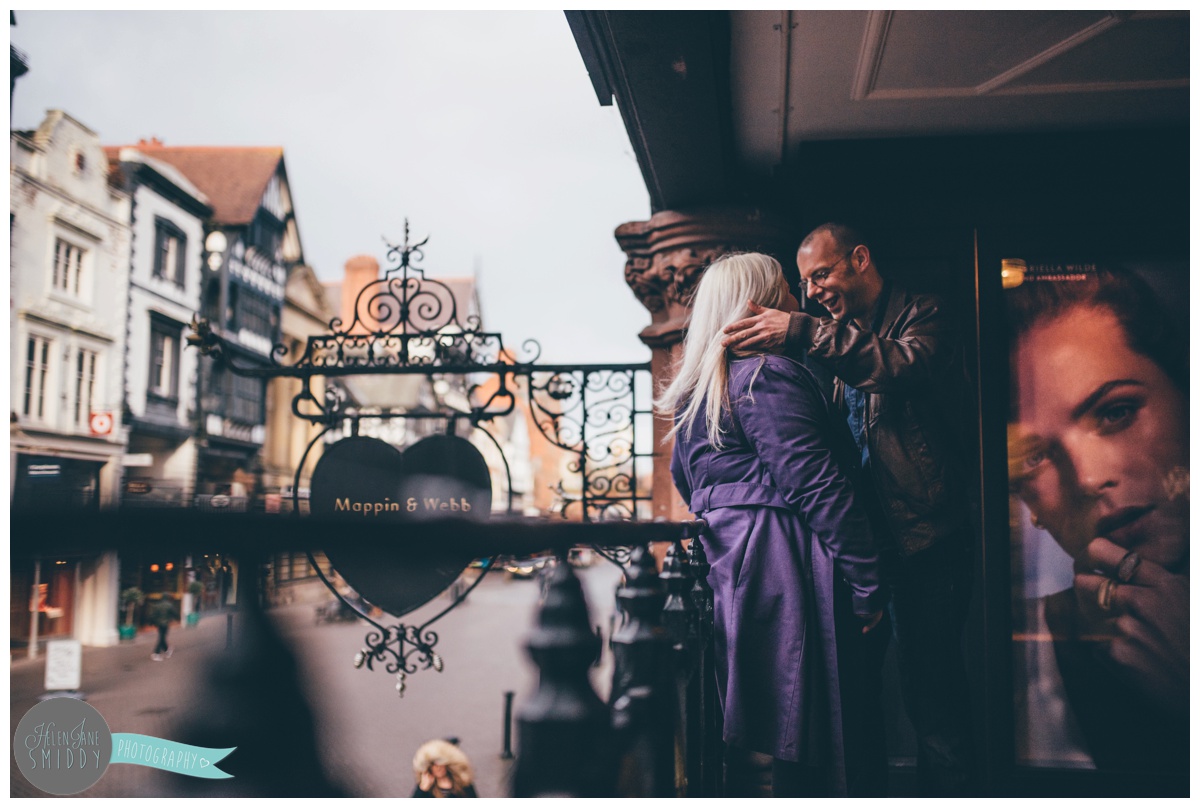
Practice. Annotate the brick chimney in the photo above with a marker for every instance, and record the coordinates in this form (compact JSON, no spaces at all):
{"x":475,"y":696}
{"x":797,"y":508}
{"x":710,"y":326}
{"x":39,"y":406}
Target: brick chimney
{"x":361,"y":270}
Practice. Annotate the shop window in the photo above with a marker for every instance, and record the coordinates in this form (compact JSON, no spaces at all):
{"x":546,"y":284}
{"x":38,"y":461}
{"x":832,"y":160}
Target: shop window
{"x":1098,"y":418}
{"x":68,"y":267}
{"x":164,"y":359}
{"x":170,"y":245}
{"x":85,"y":385}
{"x":37,"y":365}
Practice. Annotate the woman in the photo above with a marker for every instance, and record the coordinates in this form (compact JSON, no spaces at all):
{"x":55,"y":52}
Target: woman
{"x":1099,"y":453}
{"x":442,"y":770}
{"x":762,"y":456}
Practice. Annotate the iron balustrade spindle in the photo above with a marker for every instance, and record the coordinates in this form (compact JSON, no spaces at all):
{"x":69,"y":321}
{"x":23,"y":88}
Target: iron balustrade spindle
{"x":679,"y":618}
{"x":642,"y":700}
{"x":564,"y":739}
{"x":705,"y":701}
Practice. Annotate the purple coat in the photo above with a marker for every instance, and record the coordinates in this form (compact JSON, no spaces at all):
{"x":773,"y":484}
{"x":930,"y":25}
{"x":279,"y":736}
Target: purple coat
{"x":783,"y":525}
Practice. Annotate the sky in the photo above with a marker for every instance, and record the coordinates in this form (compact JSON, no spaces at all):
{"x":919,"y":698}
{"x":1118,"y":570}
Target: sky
{"x":481,"y":128}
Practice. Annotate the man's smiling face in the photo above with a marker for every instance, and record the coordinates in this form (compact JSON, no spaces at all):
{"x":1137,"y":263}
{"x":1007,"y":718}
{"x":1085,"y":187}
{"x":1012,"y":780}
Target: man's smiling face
{"x":832,"y":275}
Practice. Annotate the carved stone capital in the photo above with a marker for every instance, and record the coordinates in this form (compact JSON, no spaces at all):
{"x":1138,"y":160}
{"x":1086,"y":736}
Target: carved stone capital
{"x":667,"y":255}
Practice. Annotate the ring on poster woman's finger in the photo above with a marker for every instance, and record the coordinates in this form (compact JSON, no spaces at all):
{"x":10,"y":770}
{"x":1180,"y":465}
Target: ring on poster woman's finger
{"x":1128,"y":567}
{"x":1104,"y":595}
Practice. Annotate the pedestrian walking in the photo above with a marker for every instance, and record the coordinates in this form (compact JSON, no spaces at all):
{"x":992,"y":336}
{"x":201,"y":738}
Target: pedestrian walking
{"x":160,"y":613}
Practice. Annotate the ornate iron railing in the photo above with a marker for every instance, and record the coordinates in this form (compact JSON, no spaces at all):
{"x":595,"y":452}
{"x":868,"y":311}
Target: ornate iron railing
{"x":406,"y":323}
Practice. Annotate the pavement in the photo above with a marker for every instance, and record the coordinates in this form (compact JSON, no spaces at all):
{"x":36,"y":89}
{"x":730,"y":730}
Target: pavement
{"x":365,"y":734}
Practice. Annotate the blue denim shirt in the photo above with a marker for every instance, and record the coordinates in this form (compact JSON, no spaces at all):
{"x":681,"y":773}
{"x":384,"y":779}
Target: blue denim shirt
{"x":856,"y":401}
{"x":856,"y":406}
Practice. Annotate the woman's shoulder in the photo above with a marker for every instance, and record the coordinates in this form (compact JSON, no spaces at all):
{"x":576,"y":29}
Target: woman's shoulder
{"x":746,"y":373}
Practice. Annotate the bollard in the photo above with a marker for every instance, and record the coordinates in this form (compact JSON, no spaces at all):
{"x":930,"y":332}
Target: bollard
{"x":564,"y":745}
{"x":508,"y":704}
{"x":229,"y":629}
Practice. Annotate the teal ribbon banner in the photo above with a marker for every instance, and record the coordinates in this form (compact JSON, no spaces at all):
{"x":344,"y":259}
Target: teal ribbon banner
{"x":157,"y":753}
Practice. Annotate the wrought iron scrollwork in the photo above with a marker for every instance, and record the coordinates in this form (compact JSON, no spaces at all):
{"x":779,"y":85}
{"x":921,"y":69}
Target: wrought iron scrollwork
{"x":591,"y":412}
{"x":617,"y":555}
{"x":407,"y":320}
{"x":403,"y":322}
{"x":405,"y":649}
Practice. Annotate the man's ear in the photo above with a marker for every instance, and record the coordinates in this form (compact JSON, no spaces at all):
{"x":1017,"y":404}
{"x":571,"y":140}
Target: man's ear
{"x":861,"y":256}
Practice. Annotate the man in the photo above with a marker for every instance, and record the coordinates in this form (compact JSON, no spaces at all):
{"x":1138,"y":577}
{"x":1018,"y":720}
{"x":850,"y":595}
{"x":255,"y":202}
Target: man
{"x":899,"y":380}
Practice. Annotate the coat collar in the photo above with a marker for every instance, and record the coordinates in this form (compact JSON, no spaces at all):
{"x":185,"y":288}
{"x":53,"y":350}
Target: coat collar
{"x":896,"y":300}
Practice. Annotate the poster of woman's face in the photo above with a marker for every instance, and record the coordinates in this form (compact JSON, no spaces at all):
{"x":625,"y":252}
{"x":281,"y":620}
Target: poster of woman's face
{"x":1099,"y":476}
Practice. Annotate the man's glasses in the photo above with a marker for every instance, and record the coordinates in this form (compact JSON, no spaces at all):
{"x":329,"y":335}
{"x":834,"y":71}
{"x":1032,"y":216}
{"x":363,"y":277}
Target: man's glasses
{"x":819,"y":277}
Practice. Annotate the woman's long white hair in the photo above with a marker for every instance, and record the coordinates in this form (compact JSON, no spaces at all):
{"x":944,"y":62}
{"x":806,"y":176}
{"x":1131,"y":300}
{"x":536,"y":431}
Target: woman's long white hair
{"x":702,"y":374}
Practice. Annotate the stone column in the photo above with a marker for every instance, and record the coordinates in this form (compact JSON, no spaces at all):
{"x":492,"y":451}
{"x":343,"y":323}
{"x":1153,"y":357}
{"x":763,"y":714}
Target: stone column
{"x":666,"y":255}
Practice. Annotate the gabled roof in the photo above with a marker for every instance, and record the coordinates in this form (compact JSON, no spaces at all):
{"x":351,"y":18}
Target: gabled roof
{"x":117,"y":154}
{"x":233,"y":178}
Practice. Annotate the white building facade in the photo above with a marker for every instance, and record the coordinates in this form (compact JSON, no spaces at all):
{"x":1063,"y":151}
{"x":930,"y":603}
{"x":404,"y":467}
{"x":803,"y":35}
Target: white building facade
{"x":167,"y":222}
{"x":70,"y":243}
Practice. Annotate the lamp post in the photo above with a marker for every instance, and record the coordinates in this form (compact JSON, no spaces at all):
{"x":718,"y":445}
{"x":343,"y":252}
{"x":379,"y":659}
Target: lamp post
{"x":215,"y":245}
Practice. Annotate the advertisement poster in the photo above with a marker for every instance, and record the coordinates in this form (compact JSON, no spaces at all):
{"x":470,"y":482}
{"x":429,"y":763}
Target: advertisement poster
{"x":1099,"y":507}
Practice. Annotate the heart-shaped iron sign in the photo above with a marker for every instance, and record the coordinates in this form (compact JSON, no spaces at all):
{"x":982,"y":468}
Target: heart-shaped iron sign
{"x":366,"y":479}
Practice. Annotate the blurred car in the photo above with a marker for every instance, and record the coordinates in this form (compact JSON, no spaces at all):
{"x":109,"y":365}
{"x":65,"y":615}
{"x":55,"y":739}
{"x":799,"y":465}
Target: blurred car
{"x":523,"y":567}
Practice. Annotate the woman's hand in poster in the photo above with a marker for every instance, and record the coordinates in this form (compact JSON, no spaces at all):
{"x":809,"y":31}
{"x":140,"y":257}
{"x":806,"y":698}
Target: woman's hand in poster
{"x":1149,"y":607}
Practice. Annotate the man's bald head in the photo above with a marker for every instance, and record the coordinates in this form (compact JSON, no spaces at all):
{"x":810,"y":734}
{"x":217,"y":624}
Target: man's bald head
{"x":844,"y":236}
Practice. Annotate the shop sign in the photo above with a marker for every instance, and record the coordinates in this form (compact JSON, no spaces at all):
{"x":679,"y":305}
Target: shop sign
{"x":64,"y":659}
{"x":100,"y":423}
{"x":44,"y":471}
{"x":367,"y":479}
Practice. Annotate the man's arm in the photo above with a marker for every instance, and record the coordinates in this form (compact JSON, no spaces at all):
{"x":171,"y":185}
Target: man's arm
{"x":867,"y":362}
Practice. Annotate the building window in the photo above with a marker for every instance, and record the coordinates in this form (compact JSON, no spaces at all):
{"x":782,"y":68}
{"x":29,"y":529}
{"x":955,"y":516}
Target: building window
{"x":170,"y":245}
{"x":164,"y":359}
{"x":85,"y":385}
{"x":254,"y":313}
{"x":247,"y":397}
{"x":68,"y":266}
{"x":265,"y":234}
{"x":37,"y":365}
{"x":295,"y":567}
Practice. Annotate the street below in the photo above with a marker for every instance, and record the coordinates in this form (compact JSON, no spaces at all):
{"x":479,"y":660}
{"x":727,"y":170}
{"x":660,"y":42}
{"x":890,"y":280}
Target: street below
{"x":366,"y":733}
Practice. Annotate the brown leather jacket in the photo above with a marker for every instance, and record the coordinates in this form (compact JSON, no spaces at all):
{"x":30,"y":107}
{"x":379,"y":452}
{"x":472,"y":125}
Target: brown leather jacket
{"x":917,"y":411}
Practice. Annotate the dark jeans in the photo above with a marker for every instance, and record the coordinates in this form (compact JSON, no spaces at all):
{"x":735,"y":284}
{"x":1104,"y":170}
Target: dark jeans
{"x":162,"y":640}
{"x":860,"y":668}
{"x":930,"y":594}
